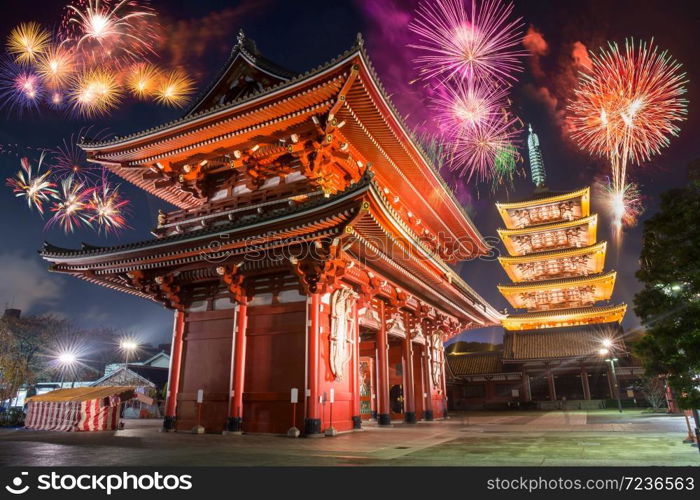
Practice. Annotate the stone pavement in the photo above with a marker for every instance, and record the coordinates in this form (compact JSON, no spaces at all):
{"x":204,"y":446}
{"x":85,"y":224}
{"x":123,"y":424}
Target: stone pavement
{"x":600,"y":437}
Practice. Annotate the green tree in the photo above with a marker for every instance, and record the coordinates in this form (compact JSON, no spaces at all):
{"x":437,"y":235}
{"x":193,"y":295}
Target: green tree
{"x":669,"y":303}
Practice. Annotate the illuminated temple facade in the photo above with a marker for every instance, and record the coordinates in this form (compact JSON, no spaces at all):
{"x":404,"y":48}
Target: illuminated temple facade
{"x":561,"y":295}
{"x":309,"y":247}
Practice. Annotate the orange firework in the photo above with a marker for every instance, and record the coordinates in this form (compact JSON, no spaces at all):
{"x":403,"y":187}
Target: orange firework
{"x":27,"y":41}
{"x":55,"y":66}
{"x":627,"y":106}
{"x":143,"y":79}
{"x":95,"y":92}
{"x":174,"y":88}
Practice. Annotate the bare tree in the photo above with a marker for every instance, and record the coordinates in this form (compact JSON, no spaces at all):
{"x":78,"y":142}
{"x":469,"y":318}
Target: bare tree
{"x":654,"y":391}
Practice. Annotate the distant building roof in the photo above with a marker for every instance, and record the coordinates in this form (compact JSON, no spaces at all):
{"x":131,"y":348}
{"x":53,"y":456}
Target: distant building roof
{"x":475,"y":363}
{"x":557,"y":343}
{"x":148,"y":375}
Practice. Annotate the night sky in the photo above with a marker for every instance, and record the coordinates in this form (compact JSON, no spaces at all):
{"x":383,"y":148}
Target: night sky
{"x":301,"y":35}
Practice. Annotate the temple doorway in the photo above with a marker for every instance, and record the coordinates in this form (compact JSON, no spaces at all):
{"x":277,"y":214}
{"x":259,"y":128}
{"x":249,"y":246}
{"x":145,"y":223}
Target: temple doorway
{"x":396,"y":401}
{"x":366,"y":372}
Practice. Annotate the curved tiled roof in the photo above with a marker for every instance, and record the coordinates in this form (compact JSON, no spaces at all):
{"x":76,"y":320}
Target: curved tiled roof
{"x":555,"y":343}
{"x":474,"y":363}
{"x":245,"y":47}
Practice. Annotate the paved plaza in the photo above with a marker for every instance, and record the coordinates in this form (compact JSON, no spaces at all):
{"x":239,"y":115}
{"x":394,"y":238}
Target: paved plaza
{"x":577,"y":438}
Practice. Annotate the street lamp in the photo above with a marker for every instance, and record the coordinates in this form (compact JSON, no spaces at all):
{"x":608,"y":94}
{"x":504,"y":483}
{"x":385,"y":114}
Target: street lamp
{"x":66,"y":360}
{"x":605,"y":351}
{"x":128,"y":346}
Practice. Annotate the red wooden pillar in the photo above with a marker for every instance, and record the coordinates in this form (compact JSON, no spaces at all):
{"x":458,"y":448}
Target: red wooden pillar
{"x":409,"y":390}
{"x":235,"y":417}
{"x":384,"y":416}
{"x":174,"y":373}
{"x":356,"y":416}
{"x":312,"y":424}
{"x":428,"y":414}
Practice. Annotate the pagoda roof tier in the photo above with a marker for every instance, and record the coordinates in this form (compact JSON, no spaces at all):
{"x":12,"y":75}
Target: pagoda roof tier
{"x":341,"y":101}
{"x":595,"y":264}
{"x":588,"y":238}
{"x":565,"y":317}
{"x":359,"y":218}
{"x":566,"y":343}
{"x":583,"y":196}
{"x":602,"y":284}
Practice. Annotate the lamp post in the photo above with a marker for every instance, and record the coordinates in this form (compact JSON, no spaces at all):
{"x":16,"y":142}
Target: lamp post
{"x":605,"y":351}
{"x":127,"y":346}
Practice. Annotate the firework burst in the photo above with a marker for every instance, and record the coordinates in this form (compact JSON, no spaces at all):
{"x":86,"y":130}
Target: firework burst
{"x":623,"y":205}
{"x":70,"y":160}
{"x":108,"y":209}
{"x":456,"y":42}
{"x":34,"y":186}
{"x":174,"y":88}
{"x":95,"y":92}
{"x":143,"y":80}
{"x":505,"y":165}
{"x":463,"y":105}
{"x":115,"y":32}
{"x":474,"y":152}
{"x":27,"y":41}
{"x":55,"y":66}
{"x":628,"y":105}
{"x":71,"y":206}
{"x":20,"y":87}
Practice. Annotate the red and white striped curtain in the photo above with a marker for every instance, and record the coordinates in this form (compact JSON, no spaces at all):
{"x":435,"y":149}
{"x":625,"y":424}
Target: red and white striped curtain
{"x":93,"y":415}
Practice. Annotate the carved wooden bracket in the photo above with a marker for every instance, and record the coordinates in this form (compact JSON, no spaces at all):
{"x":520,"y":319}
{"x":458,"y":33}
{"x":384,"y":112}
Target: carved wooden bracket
{"x":369,"y":290}
{"x":162,"y":289}
{"x":321,"y":271}
{"x":234,"y":281}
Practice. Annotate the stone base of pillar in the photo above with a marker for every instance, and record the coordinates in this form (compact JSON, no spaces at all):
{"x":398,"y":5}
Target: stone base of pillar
{"x":410,"y":417}
{"x":169,"y":424}
{"x":444,"y":413}
{"x":234,"y":424}
{"x":374,"y":416}
{"x":312,"y":427}
{"x":356,"y":422}
{"x":428,"y":415}
{"x":384,"y":419}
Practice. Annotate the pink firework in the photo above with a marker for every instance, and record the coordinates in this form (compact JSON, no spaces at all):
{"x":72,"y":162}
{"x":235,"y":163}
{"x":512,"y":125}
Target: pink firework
{"x":109,"y":209}
{"x":20,"y":88}
{"x":70,"y":160}
{"x":34,"y":186}
{"x":71,"y":206}
{"x":463,"y":105}
{"x":459,"y":42}
{"x":475,"y":151}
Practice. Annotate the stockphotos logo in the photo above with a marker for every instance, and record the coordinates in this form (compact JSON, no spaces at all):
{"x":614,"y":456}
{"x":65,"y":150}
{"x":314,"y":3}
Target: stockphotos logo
{"x":16,"y":488}
{"x":107,"y":483}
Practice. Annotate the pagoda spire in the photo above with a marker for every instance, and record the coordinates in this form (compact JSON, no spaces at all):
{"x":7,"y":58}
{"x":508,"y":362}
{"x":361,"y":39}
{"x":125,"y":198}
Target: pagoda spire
{"x":535,"y":153}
